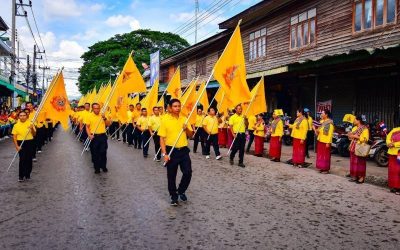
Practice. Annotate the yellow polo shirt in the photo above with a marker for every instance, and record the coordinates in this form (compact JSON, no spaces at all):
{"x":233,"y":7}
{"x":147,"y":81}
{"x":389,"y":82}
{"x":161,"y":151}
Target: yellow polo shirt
{"x":278,"y":129}
{"x":259,"y":129}
{"x":310,"y":122}
{"x":301,"y":132}
{"x":143,"y":122}
{"x":130,"y":115}
{"x":396,"y":148}
{"x":170,"y":129}
{"x":325,"y":138}
{"x":136,"y":114}
{"x":96,"y":121}
{"x":199,"y":120}
{"x":252,"y":122}
{"x":237,"y":123}
{"x":21,"y":129}
{"x":155,"y":122}
{"x":211,"y":123}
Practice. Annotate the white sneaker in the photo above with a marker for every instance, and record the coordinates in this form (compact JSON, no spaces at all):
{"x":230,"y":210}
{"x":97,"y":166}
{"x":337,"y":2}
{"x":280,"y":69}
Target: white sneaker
{"x":39,"y":151}
{"x":34,"y":160}
{"x":6,"y":137}
{"x":218,"y":157}
{"x":207,"y":157}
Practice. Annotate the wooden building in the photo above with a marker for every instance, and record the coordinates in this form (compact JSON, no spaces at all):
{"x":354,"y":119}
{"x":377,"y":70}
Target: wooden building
{"x":346,"y":51}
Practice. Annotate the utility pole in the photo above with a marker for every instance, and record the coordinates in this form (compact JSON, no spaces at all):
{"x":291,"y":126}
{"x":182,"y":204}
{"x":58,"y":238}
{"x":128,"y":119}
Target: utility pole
{"x":44,"y":69}
{"x":28,"y":74}
{"x":196,"y":13}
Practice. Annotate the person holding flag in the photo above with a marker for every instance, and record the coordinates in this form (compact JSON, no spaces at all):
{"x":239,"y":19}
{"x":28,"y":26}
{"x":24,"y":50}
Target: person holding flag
{"x":251,"y":120}
{"x":129,"y":129}
{"x":142,"y":125}
{"x":393,"y":142}
{"x":275,"y":144}
{"x":82,"y":122}
{"x":31,"y":114}
{"x":154,"y":125}
{"x":210,"y":126}
{"x":171,"y":137}
{"x":23,"y":133}
{"x":199,"y":132}
{"x":96,"y":129}
{"x":237,"y":127}
{"x":137,"y":138}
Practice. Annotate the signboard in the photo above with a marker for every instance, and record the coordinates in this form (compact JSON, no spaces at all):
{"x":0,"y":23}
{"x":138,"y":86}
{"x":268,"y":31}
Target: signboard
{"x":321,"y":106}
{"x":154,"y":67}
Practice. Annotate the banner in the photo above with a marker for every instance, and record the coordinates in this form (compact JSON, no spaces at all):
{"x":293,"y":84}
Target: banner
{"x":321,"y":106}
{"x":154,"y":67}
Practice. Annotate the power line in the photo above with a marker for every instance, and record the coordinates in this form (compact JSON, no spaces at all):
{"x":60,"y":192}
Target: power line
{"x":40,"y":37}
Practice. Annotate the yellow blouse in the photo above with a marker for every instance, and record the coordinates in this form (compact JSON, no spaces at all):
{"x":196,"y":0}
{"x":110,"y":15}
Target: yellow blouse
{"x":364,"y":137}
{"x":395,"y":150}
{"x":301,"y":132}
{"x":309,"y":123}
{"x":199,"y":120}
{"x":259,"y":129}
{"x":252,"y":120}
{"x":278,"y":129}
{"x":21,"y":129}
{"x":325,"y":138}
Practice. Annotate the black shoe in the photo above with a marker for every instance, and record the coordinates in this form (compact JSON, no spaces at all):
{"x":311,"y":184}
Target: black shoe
{"x":183,"y":197}
{"x":20,"y":179}
{"x":231,"y":162}
{"x":105,"y":170}
{"x":241,"y":165}
{"x":174,"y":203}
{"x":97,"y":171}
{"x":139,"y":148}
{"x":145,"y":156}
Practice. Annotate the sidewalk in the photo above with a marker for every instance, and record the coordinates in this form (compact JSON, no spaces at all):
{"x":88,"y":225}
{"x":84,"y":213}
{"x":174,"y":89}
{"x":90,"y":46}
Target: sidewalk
{"x":340,"y":166}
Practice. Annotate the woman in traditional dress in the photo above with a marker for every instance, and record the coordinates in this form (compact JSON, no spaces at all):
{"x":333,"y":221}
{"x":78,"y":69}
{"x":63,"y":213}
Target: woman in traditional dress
{"x":222,"y":132}
{"x":393,"y":142}
{"x":358,"y":165}
{"x":324,"y":140}
{"x":275,"y":144}
{"x":259,"y":136}
{"x":299,"y":134}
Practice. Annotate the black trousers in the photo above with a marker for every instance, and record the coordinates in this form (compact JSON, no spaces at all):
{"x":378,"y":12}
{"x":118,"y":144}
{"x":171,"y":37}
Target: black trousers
{"x":212,"y":140}
{"x":251,"y":139}
{"x":25,"y":158}
{"x":40,"y":137}
{"x":179,"y":158}
{"x":84,"y":134}
{"x":129,"y":134}
{"x":239,"y":145}
{"x":124,"y":132}
{"x":309,"y":140}
{"x":145,"y":137}
{"x":50,"y":130}
{"x":199,"y":137}
{"x":114,"y":127}
{"x":137,"y":138}
{"x":98,"y":149}
{"x":156,"y":140}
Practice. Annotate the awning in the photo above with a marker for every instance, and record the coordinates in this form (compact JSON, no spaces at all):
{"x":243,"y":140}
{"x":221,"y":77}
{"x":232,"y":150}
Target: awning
{"x":11,"y":87}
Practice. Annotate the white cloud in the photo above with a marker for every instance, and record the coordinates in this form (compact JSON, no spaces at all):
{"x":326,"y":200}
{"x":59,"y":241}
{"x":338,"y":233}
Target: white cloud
{"x":121,"y":21}
{"x":134,"y":4}
{"x":65,"y":9}
{"x":97,"y":7}
{"x":69,"y":49}
{"x":89,"y":35}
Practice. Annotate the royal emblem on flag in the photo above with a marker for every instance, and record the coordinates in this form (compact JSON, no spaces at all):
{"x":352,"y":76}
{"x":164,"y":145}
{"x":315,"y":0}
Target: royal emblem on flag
{"x":230,"y":74}
{"x":58,"y":103}
{"x":176,"y":92}
{"x":126,"y":76}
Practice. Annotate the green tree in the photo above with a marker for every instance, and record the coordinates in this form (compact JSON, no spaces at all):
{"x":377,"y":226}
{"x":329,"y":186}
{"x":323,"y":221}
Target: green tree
{"x":103,"y":56}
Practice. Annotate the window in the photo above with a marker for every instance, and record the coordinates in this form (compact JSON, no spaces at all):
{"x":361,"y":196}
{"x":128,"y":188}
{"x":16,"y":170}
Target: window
{"x":184,"y":72}
{"x":370,"y":14}
{"x":257,"y":44}
{"x":201,"y":67}
{"x":164,"y":75}
{"x":303,"y":29}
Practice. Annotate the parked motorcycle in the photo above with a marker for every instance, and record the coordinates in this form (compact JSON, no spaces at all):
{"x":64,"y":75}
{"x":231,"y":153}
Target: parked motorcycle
{"x":378,"y":151}
{"x":340,"y":141}
{"x":287,"y":138}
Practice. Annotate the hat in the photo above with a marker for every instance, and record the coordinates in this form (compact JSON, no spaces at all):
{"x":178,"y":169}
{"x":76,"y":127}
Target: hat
{"x":306,"y":110}
{"x":278,"y":112}
{"x":349,"y":118}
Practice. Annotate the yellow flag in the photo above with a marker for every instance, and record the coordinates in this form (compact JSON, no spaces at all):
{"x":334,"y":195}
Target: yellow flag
{"x":122,"y":107}
{"x":161,"y":102}
{"x":259,"y":103}
{"x":223,"y":102}
{"x":91,"y":96}
{"x":56,"y":104}
{"x":134,"y":100}
{"x":188,"y":101}
{"x":130,"y":80}
{"x":174,"y":85}
{"x":151,"y":98}
{"x":230,"y":70}
{"x":204,"y":98}
{"x":105,"y":94}
{"x":82,"y":100}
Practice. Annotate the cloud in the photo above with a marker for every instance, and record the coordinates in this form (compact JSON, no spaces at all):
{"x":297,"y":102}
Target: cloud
{"x":89,"y":35}
{"x":121,"y":21}
{"x":69,"y":49}
{"x":66,"y":9}
{"x":97,"y":7}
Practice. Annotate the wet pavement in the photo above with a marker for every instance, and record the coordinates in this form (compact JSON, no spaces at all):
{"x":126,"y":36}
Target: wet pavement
{"x":264,"y":206}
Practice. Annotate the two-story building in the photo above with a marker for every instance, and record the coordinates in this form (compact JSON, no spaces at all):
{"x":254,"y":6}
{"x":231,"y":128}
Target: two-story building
{"x":344,"y":51}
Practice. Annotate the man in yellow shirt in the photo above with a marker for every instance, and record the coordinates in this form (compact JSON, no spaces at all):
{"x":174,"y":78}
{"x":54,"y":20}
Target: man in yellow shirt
{"x":154,"y":125}
{"x":200,"y":134}
{"x":137,"y":138}
{"x":82,"y":122}
{"x":251,"y":120}
{"x":238,"y":127}
{"x":170,"y":129}
{"x":143,"y":125}
{"x":129,"y":130}
{"x":210,"y":126}
{"x":96,"y":129}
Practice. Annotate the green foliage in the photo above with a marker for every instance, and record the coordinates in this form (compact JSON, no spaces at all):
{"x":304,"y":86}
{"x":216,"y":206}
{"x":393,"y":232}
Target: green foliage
{"x":103,"y":55}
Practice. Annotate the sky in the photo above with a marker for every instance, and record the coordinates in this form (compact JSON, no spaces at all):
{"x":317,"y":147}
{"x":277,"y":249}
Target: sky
{"x":68,"y":27}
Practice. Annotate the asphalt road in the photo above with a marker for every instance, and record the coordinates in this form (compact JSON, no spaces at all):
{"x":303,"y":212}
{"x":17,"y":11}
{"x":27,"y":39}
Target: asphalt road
{"x":264,"y":206}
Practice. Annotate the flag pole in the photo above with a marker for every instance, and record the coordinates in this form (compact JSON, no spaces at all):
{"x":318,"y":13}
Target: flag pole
{"x":165,"y":90}
{"x":212,"y":101}
{"x":190,"y":114}
{"x":245,"y":114}
{"x":222,"y":99}
{"x":44,"y":99}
